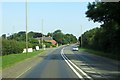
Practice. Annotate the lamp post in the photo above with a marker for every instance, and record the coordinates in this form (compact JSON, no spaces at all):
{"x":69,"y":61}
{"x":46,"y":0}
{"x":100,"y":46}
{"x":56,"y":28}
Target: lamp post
{"x":26,"y":26}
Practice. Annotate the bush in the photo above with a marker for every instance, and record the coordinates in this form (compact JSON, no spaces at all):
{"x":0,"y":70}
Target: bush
{"x":40,"y":45}
{"x":48,"y":44}
{"x":13,"y":46}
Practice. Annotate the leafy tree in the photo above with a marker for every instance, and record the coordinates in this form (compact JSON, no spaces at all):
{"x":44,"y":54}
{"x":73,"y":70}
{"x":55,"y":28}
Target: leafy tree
{"x":64,"y":38}
{"x":106,"y":38}
{"x":15,"y":43}
{"x":73,"y":39}
{"x":58,"y":37}
{"x":37,"y":35}
{"x":21,"y":36}
{"x":57,"y":31}
{"x":104,"y":12}
{"x":4,"y":36}
{"x":50,"y":34}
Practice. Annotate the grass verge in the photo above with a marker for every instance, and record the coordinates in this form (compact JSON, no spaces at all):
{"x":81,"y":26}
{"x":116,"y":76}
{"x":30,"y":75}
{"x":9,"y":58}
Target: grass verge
{"x":100,"y":53}
{"x":9,"y":60}
{"x":0,"y":63}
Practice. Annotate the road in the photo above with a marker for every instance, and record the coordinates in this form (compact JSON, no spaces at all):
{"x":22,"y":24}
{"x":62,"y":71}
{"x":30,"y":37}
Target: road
{"x":53,"y":66}
{"x":63,"y":64}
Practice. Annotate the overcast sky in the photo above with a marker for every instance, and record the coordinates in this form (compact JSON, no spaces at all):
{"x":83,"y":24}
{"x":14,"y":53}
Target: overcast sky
{"x":66,"y":16}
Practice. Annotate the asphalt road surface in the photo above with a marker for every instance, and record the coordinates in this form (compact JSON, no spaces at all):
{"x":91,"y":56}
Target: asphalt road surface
{"x":63,"y":63}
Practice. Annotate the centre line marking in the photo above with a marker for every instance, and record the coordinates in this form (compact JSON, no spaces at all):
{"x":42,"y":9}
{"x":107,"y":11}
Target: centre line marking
{"x":79,"y":76}
{"x":75,"y":66}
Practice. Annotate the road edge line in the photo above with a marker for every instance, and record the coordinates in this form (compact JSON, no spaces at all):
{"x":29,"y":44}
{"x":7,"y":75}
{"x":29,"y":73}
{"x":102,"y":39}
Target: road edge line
{"x":24,"y":72}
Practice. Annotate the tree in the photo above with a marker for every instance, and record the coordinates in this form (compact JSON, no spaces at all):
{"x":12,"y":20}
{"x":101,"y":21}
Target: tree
{"x":106,"y":38}
{"x":4,"y":36}
{"x":104,"y":12}
{"x":58,"y":37}
{"x":50,"y":34}
{"x":64,"y":38}
{"x":37,"y":35}
{"x":21,"y":36}
{"x":57,"y":31}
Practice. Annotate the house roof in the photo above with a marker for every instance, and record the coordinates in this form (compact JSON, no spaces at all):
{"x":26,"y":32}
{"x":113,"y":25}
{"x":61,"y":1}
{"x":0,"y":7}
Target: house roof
{"x":48,"y":39}
{"x":45,"y":38}
{"x":52,"y":41}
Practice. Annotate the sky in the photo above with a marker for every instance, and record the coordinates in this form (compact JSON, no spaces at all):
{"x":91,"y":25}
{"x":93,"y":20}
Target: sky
{"x":66,"y":16}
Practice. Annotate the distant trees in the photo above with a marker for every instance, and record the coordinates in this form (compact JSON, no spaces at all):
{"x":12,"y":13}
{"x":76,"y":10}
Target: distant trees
{"x":4,"y":36}
{"x":15,"y":43}
{"x":58,"y":36}
{"x":21,"y":36}
{"x":70,"y":38}
{"x":107,"y":37}
{"x":63,"y":38}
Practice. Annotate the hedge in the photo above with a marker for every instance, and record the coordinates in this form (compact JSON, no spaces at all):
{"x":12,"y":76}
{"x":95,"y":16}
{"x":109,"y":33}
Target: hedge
{"x":13,"y":46}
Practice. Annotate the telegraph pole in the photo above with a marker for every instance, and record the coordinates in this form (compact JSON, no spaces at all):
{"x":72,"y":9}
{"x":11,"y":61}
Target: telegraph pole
{"x":26,"y":26}
{"x":13,"y":33}
{"x":42,"y":32}
{"x":81,"y":37}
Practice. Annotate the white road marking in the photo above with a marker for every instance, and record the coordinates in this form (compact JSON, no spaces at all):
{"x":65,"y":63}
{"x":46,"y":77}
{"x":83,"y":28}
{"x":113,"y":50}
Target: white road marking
{"x":90,"y":71}
{"x":73,"y":68}
{"x":76,"y":66}
{"x":23,"y":72}
{"x":86,"y":68}
{"x":79,"y":76}
{"x":98,"y":76}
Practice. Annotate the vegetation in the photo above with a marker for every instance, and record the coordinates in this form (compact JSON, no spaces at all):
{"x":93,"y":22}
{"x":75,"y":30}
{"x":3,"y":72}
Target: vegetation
{"x":47,"y":44}
{"x":21,"y":36}
{"x":63,"y":38}
{"x":100,"y":53}
{"x":9,"y":60}
{"x":106,"y":38}
{"x":15,"y":43}
{"x":13,"y":46}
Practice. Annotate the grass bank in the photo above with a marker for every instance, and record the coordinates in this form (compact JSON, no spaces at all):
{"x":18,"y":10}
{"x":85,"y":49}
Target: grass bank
{"x":0,"y":63}
{"x":107,"y":55}
{"x":9,"y":60}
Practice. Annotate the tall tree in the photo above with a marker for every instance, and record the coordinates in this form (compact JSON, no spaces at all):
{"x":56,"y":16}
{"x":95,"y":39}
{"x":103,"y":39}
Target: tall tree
{"x":64,"y":38}
{"x":104,"y":11}
{"x":58,"y":36}
{"x":107,"y":37}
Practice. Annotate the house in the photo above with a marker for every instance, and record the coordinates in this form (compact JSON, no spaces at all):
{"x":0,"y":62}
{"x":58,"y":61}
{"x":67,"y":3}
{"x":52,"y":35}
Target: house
{"x":47,"y":39}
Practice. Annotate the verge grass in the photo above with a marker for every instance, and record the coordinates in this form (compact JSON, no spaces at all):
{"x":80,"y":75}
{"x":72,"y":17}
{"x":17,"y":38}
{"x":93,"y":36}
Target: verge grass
{"x":100,"y":53}
{"x":0,"y":63}
{"x":9,"y":60}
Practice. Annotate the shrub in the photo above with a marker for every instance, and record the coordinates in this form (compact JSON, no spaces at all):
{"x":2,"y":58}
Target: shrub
{"x":13,"y":46}
{"x":48,"y":44}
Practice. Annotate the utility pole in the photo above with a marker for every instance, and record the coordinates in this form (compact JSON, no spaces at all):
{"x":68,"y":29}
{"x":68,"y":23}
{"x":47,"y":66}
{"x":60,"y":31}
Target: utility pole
{"x":13,"y":32}
{"x":26,"y":26}
{"x":42,"y":32}
{"x":81,"y":37}
{"x":52,"y":35}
